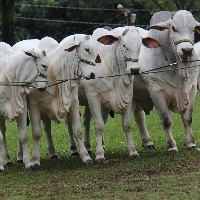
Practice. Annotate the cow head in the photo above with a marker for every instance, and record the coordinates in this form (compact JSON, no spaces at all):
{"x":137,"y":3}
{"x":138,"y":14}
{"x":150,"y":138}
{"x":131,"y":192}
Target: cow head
{"x":39,"y":71}
{"x":87,"y":53}
{"x":129,"y":43}
{"x":181,"y":33}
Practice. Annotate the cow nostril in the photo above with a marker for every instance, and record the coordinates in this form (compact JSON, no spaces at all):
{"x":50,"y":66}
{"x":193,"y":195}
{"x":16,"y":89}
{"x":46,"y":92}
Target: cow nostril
{"x":41,"y":89}
{"x":187,"y":50}
{"x":92,"y":75}
{"x":135,"y":71}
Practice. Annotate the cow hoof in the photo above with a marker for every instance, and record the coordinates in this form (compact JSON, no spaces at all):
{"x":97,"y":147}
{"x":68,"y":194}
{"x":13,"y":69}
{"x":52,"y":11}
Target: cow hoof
{"x":36,"y":166}
{"x":173,"y":151}
{"x":135,"y":156}
{"x":100,"y":160}
{"x":89,"y":152}
{"x":197,"y":149}
{"x":88,"y":162}
{"x":31,"y":168}
{"x":192,"y":148}
{"x":20,"y":161}
{"x":53,"y":156}
{"x":8,"y":164}
{"x":75,"y":153}
{"x":151,"y":147}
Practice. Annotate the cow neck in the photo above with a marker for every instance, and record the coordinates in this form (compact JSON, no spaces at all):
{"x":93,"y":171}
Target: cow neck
{"x":118,"y":94}
{"x":16,"y":99}
{"x":63,"y":68}
{"x":181,"y":93}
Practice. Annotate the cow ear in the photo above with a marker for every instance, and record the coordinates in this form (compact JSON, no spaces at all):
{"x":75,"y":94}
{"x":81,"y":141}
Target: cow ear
{"x":70,"y":49}
{"x":150,"y":42}
{"x":98,"y":59}
{"x":32,"y":53}
{"x":160,"y":26}
{"x":107,"y":39}
{"x":197,"y":28}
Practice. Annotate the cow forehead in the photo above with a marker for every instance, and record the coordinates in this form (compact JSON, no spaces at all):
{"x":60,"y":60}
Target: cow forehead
{"x":183,"y":19}
{"x":89,"y":44}
{"x":131,"y":37}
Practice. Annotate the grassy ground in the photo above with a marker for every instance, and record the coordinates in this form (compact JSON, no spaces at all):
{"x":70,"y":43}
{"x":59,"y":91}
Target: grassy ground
{"x":157,"y":175}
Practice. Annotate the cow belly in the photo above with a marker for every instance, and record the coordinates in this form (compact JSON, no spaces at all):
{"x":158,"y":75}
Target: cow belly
{"x":116,"y":102}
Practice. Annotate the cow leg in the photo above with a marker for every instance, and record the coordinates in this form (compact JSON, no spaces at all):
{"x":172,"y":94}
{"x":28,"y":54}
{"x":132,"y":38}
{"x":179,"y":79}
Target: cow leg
{"x":5,"y":153}
{"x":126,"y":124}
{"x":105,"y":114}
{"x":23,"y":136}
{"x":50,"y":145}
{"x":139,"y":116}
{"x":72,"y":143}
{"x":86,"y":124}
{"x":1,"y":149}
{"x":95,"y":108}
{"x":187,"y":122}
{"x":166,"y":120}
{"x":74,"y":118}
{"x":20,"y":152}
{"x":35,"y":117}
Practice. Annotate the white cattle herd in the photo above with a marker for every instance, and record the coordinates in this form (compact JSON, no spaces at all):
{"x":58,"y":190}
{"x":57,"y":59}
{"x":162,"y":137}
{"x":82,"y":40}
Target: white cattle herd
{"x":124,"y":70}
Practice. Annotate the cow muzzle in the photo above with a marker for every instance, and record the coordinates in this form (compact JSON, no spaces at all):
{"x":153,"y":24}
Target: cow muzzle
{"x":187,"y":52}
{"x":41,"y":89}
{"x":135,"y":71}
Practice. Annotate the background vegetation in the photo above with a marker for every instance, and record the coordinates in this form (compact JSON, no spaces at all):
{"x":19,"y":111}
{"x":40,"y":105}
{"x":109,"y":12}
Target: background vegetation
{"x":22,"y":19}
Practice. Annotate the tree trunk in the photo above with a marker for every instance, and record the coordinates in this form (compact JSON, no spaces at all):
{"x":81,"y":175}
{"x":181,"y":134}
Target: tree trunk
{"x":7,"y":21}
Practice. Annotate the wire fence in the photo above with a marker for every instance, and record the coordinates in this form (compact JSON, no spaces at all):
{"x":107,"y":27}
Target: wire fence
{"x":155,"y":70}
{"x":92,"y":25}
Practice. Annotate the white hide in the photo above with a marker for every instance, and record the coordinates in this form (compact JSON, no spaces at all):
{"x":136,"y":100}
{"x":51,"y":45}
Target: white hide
{"x":115,"y":92}
{"x":74,"y":56}
{"x":17,"y":69}
{"x":197,"y":51}
{"x":172,"y":90}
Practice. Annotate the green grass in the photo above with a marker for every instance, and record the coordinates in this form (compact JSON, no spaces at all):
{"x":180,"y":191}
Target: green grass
{"x":157,"y":175}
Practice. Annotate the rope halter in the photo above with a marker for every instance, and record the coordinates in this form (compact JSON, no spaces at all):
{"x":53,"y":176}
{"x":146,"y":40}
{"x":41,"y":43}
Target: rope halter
{"x":183,"y":40}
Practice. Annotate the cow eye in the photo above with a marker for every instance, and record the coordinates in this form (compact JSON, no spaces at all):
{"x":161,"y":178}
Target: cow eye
{"x":174,"y":29}
{"x":87,"y":50}
{"x":44,"y":66}
{"x":125,"y":46}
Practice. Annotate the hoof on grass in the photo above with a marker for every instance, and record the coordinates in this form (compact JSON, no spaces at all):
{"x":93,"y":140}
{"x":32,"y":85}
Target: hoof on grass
{"x":89,"y":152}
{"x":100,"y":160}
{"x":173,"y":151}
{"x":135,"y":156}
{"x":20,"y":161}
{"x":36,"y":166}
{"x":53,"y":156}
{"x":75,"y":153}
{"x":192,"y":148}
{"x":8,"y":164}
{"x":31,"y":168}
{"x":88,"y":162}
{"x":151,"y":147}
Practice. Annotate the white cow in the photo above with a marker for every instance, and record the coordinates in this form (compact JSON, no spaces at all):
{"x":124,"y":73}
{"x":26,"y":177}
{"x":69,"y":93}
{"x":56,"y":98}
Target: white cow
{"x":19,"y":70}
{"x":175,"y":88}
{"x":73,"y":57}
{"x":197,"y":51}
{"x":113,"y":89}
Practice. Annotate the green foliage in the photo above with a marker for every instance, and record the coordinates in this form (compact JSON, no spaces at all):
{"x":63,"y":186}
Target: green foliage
{"x":65,"y":21}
